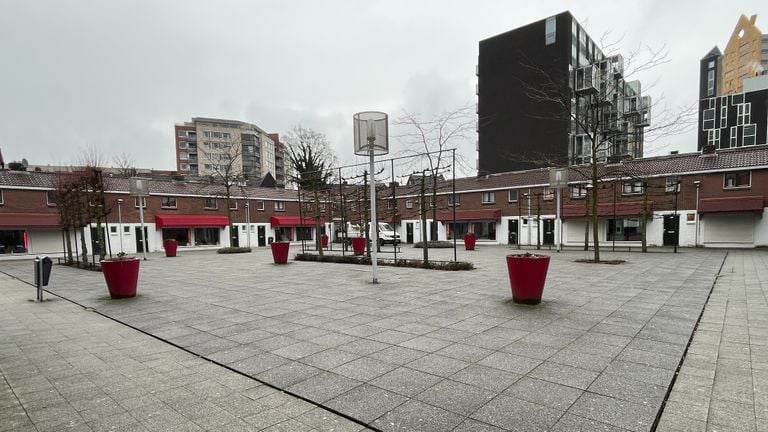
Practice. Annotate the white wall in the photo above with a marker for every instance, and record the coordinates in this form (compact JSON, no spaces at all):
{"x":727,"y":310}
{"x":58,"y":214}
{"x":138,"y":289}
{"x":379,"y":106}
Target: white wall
{"x":761,"y":229}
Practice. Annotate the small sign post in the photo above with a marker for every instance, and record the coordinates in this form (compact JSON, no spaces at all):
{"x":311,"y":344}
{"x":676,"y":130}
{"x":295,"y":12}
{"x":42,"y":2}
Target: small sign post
{"x":558,"y":179}
{"x":139,"y":187}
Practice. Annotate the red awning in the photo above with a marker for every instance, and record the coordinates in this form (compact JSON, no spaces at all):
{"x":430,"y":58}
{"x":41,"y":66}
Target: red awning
{"x":470,"y":215}
{"x":292,"y":221}
{"x":731,"y":204}
{"x":181,"y":221}
{"x":29,"y":220}
{"x":631,"y":208}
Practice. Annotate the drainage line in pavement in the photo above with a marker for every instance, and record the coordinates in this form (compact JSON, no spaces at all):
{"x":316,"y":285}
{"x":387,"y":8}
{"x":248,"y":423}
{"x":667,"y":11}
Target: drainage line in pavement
{"x":685,"y":353}
{"x":297,"y":396}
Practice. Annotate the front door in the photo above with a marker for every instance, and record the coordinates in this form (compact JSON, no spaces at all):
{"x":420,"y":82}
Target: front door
{"x":234,"y":232}
{"x":549,"y":231}
{"x":141,"y":239}
{"x":409,"y":232}
{"x":514,"y":231}
{"x":671,"y":230}
{"x":262,"y":234}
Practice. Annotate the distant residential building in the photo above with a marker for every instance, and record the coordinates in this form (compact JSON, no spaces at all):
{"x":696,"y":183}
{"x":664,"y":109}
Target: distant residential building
{"x":282,"y":161}
{"x":518,"y":131}
{"x":733,"y":91}
{"x":205,"y":144}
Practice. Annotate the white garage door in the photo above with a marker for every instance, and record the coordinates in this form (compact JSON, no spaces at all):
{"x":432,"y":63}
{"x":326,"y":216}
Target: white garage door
{"x":729,"y":228}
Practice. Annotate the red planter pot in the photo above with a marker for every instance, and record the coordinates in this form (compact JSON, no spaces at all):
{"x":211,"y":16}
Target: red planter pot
{"x":527,"y":275}
{"x":358,"y":245}
{"x":324,"y":241}
{"x":469,"y":241}
{"x":122,"y":276}
{"x":170,"y":247}
{"x":280,"y":252}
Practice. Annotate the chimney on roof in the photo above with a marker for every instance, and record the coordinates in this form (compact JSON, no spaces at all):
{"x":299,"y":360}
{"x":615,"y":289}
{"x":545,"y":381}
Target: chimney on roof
{"x":709,"y":150}
{"x":674,"y":152}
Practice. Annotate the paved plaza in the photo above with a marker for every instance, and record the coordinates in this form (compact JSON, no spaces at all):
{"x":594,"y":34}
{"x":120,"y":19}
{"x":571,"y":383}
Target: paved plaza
{"x":446,"y":351}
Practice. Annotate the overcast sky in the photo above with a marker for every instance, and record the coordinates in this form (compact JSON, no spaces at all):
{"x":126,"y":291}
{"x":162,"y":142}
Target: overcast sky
{"x":117,"y":75}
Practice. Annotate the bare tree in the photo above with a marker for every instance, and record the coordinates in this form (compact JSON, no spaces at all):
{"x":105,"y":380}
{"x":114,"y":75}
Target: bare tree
{"x":608,"y":114}
{"x":91,"y":156}
{"x":431,"y":139}
{"x":312,"y":162}
{"x":125,"y":164}
{"x":223,"y":165}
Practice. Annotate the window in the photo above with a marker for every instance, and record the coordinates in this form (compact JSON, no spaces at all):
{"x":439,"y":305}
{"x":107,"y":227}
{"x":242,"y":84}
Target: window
{"x":126,"y":230}
{"x":550,"y":29}
{"x":723,"y":116}
{"x":733,"y":136}
{"x":260,"y":205}
{"x":624,"y":230}
{"x":710,"y":82}
{"x":183,"y":145}
{"x":280,"y":206}
{"x":210,"y":204}
{"x":2,"y":201}
{"x":737,"y":179}
{"x":713,"y":137}
{"x":743,"y":112}
{"x":633,"y":187}
{"x":737,"y":99}
{"x":454,"y":200}
{"x":409,"y":204}
{"x":709,"y":119}
{"x":142,"y":200}
{"x":113,"y":230}
{"x":50,"y":198}
{"x":206,"y":236}
{"x":183,"y":156}
{"x":548,"y":194}
{"x":579,"y":191}
{"x":749,"y":135}
{"x":184,"y":167}
{"x":488,"y":198}
{"x":672,"y":184}
{"x":233,"y":204}
{"x":168,"y":202}
{"x":513,"y":195}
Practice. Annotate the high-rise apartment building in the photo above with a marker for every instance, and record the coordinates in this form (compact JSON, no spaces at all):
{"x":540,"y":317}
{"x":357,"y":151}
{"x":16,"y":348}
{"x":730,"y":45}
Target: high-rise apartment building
{"x":282,"y":161}
{"x":733,"y":90}
{"x":521,"y":126}
{"x":206,"y":145}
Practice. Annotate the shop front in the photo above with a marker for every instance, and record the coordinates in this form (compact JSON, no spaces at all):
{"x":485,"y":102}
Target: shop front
{"x":619,"y":222}
{"x":293,"y":228}
{"x":28,"y":232}
{"x":730,"y":220}
{"x":482,"y":223}
{"x":192,"y":230}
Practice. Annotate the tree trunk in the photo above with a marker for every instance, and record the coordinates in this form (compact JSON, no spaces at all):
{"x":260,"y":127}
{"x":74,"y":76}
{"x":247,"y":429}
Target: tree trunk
{"x":595,"y":221}
{"x":433,"y":205}
{"x":423,"y":212}
{"x":68,"y":244}
{"x":229,"y":217}
{"x":318,"y":240}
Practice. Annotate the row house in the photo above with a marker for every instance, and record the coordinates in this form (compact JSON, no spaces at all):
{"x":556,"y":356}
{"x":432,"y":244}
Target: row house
{"x":195,"y":214}
{"x":695,"y":199}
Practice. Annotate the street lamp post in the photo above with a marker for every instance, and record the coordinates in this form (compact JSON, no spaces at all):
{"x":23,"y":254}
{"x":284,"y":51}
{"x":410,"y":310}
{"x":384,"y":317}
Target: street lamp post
{"x":248,"y":220}
{"x":697,"y":183}
{"x":120,"y":222}
{"x":528,"y":218}
{"x":372,"y":139}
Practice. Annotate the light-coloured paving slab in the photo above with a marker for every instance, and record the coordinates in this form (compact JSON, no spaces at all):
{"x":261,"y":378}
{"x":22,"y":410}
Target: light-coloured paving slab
{"x":431,"y":350}
{"x":723,"y":382}
{"x":63,"y":368}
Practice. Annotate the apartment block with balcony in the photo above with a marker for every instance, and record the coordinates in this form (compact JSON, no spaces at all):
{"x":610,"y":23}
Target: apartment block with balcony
{"x":522,"y":127}
{"x":217,"y":142}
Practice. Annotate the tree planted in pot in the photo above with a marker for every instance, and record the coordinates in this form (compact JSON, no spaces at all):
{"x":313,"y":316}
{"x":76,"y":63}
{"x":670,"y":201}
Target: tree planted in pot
{"x":527,"y":275}
{"x":121,"y":274}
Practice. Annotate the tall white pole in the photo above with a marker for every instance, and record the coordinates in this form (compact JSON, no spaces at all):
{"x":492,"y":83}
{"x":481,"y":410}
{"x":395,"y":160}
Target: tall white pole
{"x":248,"y":220}
{"x":374,"y":229}
{"x":529,"y":217}
{"x":120,"y":222}
{"x":559,"y":223}
{"x":142,"y":203}
{"x":696,"y":241}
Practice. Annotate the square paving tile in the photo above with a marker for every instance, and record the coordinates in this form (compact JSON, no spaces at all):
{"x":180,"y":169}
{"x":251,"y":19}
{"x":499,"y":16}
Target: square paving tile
{"x":323,"y":386}
{"x":405,"y":381}
{"x":364,"y":369}
{"x":545,"y":393}
{"x":417,"y":416}
{"x":517,"y":415}
{"x":456,"y":397}
{"x":366,"y":402}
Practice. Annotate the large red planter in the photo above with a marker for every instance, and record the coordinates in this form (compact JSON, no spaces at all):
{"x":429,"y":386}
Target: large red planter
{"x":469,"y":241}
{"x":122,"y":276}
{"x":324,"y":241}
{"x":280,"y":252}
{"x":170,"y":247}
{"x":358,"y":245}
{"x":527,"y":275}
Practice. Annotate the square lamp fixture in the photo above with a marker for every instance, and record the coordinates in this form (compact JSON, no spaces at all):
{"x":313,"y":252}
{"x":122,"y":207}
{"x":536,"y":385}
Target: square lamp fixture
{"x":371,"y":133}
